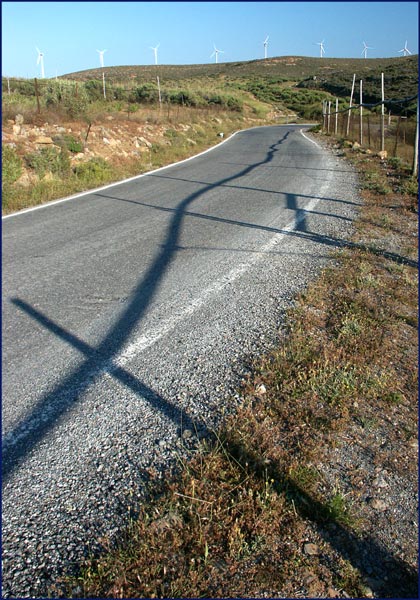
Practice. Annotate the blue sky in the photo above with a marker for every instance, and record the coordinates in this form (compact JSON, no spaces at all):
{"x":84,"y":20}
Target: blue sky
{"x":70,"y":33}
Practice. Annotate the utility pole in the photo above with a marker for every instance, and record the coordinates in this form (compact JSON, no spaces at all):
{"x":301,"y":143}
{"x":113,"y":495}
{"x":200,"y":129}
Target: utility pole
{"x":361,"y":112}
{"x":336,"y":115}
{"x":351,"y":100}
{"x":382,"y":114}
{"x":416,"y":143}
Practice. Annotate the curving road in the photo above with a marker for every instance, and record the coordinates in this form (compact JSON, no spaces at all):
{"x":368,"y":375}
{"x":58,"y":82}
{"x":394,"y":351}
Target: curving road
{"x":129,"y":316}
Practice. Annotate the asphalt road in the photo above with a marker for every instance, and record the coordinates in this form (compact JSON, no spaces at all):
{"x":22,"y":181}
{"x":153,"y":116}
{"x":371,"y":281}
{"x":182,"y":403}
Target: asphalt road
{"x":130,"y":314}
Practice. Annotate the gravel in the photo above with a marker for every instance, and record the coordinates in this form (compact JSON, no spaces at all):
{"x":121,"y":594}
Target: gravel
{"x":81,"y":483}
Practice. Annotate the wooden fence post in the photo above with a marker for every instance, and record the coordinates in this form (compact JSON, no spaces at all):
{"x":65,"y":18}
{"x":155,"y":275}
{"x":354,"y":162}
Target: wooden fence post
{"x":329,"y":116}
{"x":361,"y":112}
{"x":396,"y":136}
{"x":382,"y":114}
{"x":37,"y":95}
{"x":336,"y":115}
{"x":351,"y":100}
{"x":416,"y":143}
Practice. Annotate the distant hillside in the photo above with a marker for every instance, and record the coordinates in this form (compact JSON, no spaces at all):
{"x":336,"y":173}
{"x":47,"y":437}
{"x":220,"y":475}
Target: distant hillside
{"x":267,"y":79}
{"x":288,"y":68}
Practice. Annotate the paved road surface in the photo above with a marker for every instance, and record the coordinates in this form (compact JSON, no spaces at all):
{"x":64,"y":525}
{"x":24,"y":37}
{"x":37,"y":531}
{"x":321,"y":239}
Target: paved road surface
{"x":129,"y":316}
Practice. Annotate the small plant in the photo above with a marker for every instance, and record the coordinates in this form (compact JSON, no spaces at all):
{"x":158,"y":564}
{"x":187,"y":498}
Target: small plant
{"x":95,"y":170}
{"x":49,"y":160}
{"x":11,"y":166}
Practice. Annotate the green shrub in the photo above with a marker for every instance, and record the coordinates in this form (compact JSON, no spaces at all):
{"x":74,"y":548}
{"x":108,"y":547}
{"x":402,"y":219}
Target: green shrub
{"x":95,"y":170}
{"x":72,"y":96}
{"x":49,"y":160}
{"x":147,"y":92}
{"x":11,"y":166}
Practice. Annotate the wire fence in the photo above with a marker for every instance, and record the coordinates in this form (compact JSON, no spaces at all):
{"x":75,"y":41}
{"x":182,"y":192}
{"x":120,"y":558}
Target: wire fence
{"x":395,"y":135}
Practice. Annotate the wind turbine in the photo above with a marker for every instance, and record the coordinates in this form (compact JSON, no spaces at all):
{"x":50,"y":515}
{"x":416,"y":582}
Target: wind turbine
{"x":41,"y":61}
{"x":216,"y":53}
{"x":265,"y":43}
{"x":155,"y":51}
{"x":101,"y":57}
{"x":321,"y":48}
{"x":365,"y":49}
{"x":405,"y":50}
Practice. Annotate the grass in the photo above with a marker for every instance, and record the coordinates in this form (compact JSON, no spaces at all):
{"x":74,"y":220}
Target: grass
{"x":232,"y":519}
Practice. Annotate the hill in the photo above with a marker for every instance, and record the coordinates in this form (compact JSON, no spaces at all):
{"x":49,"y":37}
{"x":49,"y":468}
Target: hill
{"x":333,"y":75}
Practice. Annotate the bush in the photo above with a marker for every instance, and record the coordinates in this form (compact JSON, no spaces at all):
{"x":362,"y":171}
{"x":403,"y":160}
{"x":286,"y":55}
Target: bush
{"x":69,"y":143}
{"x":146,"y":93}
{"x":95,"y":170}
{"x":49,"y":160}
{"x":11,"y":166}
{"x":72,"y":96}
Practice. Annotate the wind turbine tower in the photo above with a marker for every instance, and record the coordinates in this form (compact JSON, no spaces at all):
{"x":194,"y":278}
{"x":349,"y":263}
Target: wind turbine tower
{"x":365,"y":49}
{"x":216,"y":53}
{"x":321,"y":48}
{"x":41,"y":62}
{"x":265,"y":43}
{"x":155,"y":52}
{"x":405,"y":50}
{"x":101,"y":57}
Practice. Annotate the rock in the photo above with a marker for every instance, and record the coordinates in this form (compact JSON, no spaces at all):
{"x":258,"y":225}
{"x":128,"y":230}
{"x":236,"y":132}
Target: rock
{"x":141,"y":141}
{"x":43,"y":139}
{"x":378,"y":504}
{"x":380,"y":482}
{"x":261,"y":389}
{"x":310,"y":549}
{"x":186,"y":434}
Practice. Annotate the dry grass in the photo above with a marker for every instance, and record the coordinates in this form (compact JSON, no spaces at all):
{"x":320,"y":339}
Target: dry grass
{"x":237,"y":517}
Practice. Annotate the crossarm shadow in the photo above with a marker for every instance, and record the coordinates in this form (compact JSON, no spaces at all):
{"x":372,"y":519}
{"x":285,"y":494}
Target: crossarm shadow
{"x":402,"y":579}
{"x":50,"y":409}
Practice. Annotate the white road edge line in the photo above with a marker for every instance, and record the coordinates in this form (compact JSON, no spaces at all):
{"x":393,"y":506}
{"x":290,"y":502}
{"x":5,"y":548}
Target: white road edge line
{"x":309,"y":140}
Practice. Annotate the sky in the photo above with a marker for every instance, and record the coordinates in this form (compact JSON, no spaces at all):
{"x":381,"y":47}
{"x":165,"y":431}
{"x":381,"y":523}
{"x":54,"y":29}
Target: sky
{"x":69,"y":33}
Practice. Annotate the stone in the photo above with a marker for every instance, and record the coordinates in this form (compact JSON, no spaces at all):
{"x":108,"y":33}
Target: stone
{"x":43,"y":139}
{"x":143,"y":142}
{"x":378,"y":504}
{"x":310,"y":549}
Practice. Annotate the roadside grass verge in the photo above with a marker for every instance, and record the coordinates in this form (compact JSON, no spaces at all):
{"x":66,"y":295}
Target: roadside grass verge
{"x":251,"y":512}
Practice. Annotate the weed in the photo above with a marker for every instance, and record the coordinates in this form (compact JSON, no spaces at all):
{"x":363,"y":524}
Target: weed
{"x":11,"y":166}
